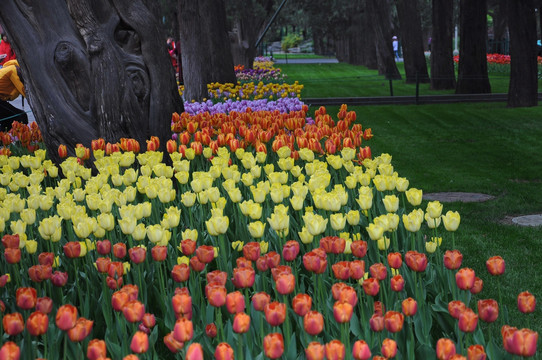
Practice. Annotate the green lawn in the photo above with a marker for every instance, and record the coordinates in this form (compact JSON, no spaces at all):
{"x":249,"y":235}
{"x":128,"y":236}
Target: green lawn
{"x":345,"y":80}
{"x":486,"y":148}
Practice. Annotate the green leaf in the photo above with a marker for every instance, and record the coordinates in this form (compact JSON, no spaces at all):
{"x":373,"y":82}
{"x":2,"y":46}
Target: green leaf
{"x":354,"y":326}
{"x":494,"y":352}
{"x":292,"y":349}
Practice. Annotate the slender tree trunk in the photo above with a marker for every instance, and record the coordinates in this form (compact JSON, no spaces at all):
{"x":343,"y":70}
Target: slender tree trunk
{"x":442,"y":61}
{"x":93,"y":68}
{"x":412,"y":41}
{"x":380,"y":9}
{"x":473,"y":78}
{"x":368,"y":48}
{"x":500,"y":23}
{"x":523,"y":89}
{"x":206,"y":54}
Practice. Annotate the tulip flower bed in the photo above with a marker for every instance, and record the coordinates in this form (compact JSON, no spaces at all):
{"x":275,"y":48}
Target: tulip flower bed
{"x":261,"y":236}
{"x":498,"y":62}
{"x":283,"y":105}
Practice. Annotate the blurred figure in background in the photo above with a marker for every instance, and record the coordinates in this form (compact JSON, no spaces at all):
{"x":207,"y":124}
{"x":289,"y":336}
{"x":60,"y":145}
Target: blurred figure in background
{"x":11,"y":86}
{"x":6,"y":52}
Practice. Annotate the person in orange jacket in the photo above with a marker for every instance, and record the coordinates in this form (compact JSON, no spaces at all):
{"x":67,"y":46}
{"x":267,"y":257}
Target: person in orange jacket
{"x":11,"y":87}
{"x":6,"y":52}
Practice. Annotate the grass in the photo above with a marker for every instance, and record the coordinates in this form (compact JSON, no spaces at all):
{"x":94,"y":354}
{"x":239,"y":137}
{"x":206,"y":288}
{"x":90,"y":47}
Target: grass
{"x":484,"y":148}
{"x":299,"y":56}
{"x":345,"y":80}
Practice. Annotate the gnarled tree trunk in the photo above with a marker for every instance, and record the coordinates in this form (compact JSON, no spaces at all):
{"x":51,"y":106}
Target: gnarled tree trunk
{"x":93,"y":68}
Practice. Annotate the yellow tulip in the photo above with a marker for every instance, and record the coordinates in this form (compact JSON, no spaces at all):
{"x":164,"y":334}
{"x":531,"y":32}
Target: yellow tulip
{"x":18,"y":227}
{"x":382,"y":221}
{"x":365,"y":201}
{"x":279,"y":221}
{"x":451,"y":220}
{"x":217,"y":225}
{"x":237,"y":245}
{"x":84,"y":248}
{"x":256,"y":171}
{"x":286,"y":164}
{"x":348,"y":153}
{"x":351,"y":182}
{"x":261,"y":157}
{"x":106,"y":221}
{"x":430,"y":247}
{"x":2,"y":224}
{"x":99,"y":232}
{"x":31,"y":246}
{"x":127,"y":225}
{"x":414,"y":196}
{"x":140,"y":232}
{"x":183,"y":260}
{"x":254,"y":211}
{"x":284,"y":152}
{"x":383,"y":243}
{"x":191,"y":234}
{"x":155,"y":233}
{"x":84,"y":227}
{"x":264,"y":247}
{"x":256,"y":229}
{"x":305,"y":236}
{"x":269,"y":168}
{"x":116,"y":179}
{"x":188,"y":199}
{"x":297,"y":202}
{"x":432,"y":223}
{"x":393,"y":221}
{"x":401,"y":184}
{"x":48,"y":226}
{"x":258,"y":194}
{"x":235,"y":195}
{"x":375,"y":232}
{"x":385,"y":169}
{"x":411,"y":221}
{"x":315,"y":223}
{"x":391,"y":203}
{"x":337,"y":221}
{"x":182,"y":177}
{"x":46,"y":202}
{"x":434,"y":209}
{"x":276,"y":193}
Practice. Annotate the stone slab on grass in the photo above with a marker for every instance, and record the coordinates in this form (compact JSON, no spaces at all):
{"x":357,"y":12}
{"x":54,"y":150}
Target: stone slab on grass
{"x":457,"y":197}
{"x":528,"y":220}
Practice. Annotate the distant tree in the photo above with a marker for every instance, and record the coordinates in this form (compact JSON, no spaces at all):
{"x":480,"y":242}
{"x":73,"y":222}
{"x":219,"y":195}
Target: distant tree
{"x":472,"y":77}
{"x":412,"y":41}
{"x":381,"y":22}
{"x":497,"y":10}
{"x":93,"y":69}
{"x":442,"y":63}
{"x":523,"y":89}
{"x":206,"y":54}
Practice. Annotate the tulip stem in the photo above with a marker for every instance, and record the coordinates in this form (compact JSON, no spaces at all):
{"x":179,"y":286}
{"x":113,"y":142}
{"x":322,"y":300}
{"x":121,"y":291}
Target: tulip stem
{"x":287,"y":325}
{"x":240,"y":347}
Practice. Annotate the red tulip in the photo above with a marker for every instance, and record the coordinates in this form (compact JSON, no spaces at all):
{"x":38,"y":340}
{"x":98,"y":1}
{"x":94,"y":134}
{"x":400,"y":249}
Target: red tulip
{"x":301,"y":304}
{"x":273,"y":345}
{"x":273,"y":259}
{"x":196,"y":264}
{"x":315,"y":262}
{"x":13,"y":256}
{"x":113,"y":283}
{"x":59,"y":279}
{"x":38,"y":273}
{"x":476,"y":352}
{"x":453,"y":259}
{"x":37,"y":323}
{"x":409,"y":307}
{"x":519,"y":342}
{"x":260,"y":301}
{"x":116,"y":269}
{"x":445,"y":349}
{"x":243,"y":262}
{"x":10,"y":351}
{"x":357,"y":269}
{"x":103,"y":247}
{"x":464,"y":278}
{"x":275,"y":313}
{"x":194,"y":352}
{"x":216,"y":294}
{"x":416,"y":261}
{"x":137,"y":254}
{"x":119,"y":250}
{"x":13,"y":323}
{"x":183,"y":330}
{"x":378,"y":271}
{"x":66,"y":316}
{"x":173,"y":345}
{"x":96,"y":349}
{"x":188,"y":247}
{"x":72,"y":249}
{"x":342,"y":311}
{"x":205,"y":253}
{"x":217,"y":276}
{"x":389,"y":348}
{"x":455,"y":308}
{"x":397,"y":283}
{"x":361,"y":350}
{"x":224,"y":351}
{"x":140,"y":342}
{"x":211,"y":330}
{"x":290,"y":250}
{"x":261,"y":263}
{"x":46,"y":258}
{"x":133,"y":311}
{"x":285,"y":284}
{"x":393,"y":321}
{"x":335,"y":350}
{"x":478,"y":285}
{"x":314,"y":351}
{"x":44,"y":304}
{"x":495,"y":265}
{"x":182,"y":304}
{"x":468,"y":320}
{"x":313,"y":323}
{"x":359,"y":248}
{"x":395,"y":260}
{"x":241,"y":323}
{"x":26,"y":297}
{"x":341,"y":270}
{"x":235,"y":302}
{"x":526,"y":302}
{"x":488,"y":310}
{"x":11,"y":241}
{"x":379,"y":308}
{"x":243,"y":277}
{"x":80,"y":330}
{"x":251,"y":251}
{"x":376,"y":322}
{"x":371,"y":286}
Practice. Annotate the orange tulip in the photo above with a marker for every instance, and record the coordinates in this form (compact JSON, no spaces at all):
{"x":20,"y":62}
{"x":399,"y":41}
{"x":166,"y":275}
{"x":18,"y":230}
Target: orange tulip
{"x":188,"y":247}
{"x":243,"y":277}
{"x":357,"y":269}
{"x":102,"y":264}
{"x":171,"y":146}
{"x":72,"y":249}
{"x":137,"y":254}
{"x":13,"y":323}
{"x":335,"y":350}
{"x":376,"y":322}
{"x":275,"y":313}
{"x":361,"y":350}
{"x":159,"y":253}
{"x":133,"y":311}
{"x":393,"y":321}
{"x":173,"y":345}
{"x":116,"y":269}
{"x":119,"y":299}
{"x":149,"y":320}
{"x":342,"y":311}
{"x":180,"y":273}
{"x":476,"y":352}
{"x":11,"y":241}
{"x":453,"y":259}
{"x":526,"y":302}
{"x":119,"y":250}
{"x":389,"y":348}
{"x":341,"y":270}
{"x":96,"y":349}
{"x":301,"y":304}
{"x":241,"y":323}
{"x":468,"y":320}
{"x":495,"y":265}
{"x":273,"y":345}
{"x":359,"y":248}
{"x":13,"y":256}
{"x":285,"y":284}
{"x":290,"y":250}
{"x":464,"y":278}
{"x":44,"y":304}
{"x":488,"y":310}
{"x":114,"y":283}
{"x":243,"y":262}
{"x":205,"y":253}
{"x":46,"y":258}
{"x":80,"y":330}
{"x":26,"y":297}
{"x":235,"y":302}
{"x":216,"y":294}
{"x":10,"y":351}
{"x":397,"y":283}
{"x":260,"y":301}
{"x":273,"y":259}
{"x":348,"y":294}
{"x":182,"y":304}
{"x":395,"y":260}
{"x":194,"y":352}
{"x":315,"y":261}
{"x":183,"y":330}
{"x":478,"y":285}
{"x":313,"y":322}
{"x":38,"y":273}
{"x":378,"y":271}
{"x":445,"y":349}
{"x":66,"y":316}
{"x":455,"y":308}
{"x":416,"y":261}
{"x":224,"y":351}
{"x":371,"y":286}
{"x":140,"y":342}
{"x":409,"y":307}
{"x":218,"y":276}
{"x":315,"y":351}
{"x":251,"y":251}
{"x":519,"y":342}
{"x":37,"y":323}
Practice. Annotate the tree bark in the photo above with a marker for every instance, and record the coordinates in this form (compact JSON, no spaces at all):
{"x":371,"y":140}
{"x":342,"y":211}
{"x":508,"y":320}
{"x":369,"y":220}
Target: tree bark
{"x":442,"y":62}
{"x":500,"y":23}
{"x":381,"y":21}
{"x":473,"y":78}
{"x":412,"y":41}
{"x":206,"y":54}
{"x":523,"y":89}
{"x":93,"y":68}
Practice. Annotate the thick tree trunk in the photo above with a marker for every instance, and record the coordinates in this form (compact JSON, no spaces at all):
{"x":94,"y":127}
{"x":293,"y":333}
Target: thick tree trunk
{"x":381,"y":21}
{"x":206,"y":54}
{"x":523,"y":87}
{"x":92,"y":69}
{"x":473,"y":78}
{"x":412,"y":41}
{"x":442,"y":61}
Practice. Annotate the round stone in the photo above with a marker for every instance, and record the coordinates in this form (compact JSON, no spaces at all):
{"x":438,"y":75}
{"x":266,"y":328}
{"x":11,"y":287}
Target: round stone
{"x":457,"y":197}
{"x":528,"y":220}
